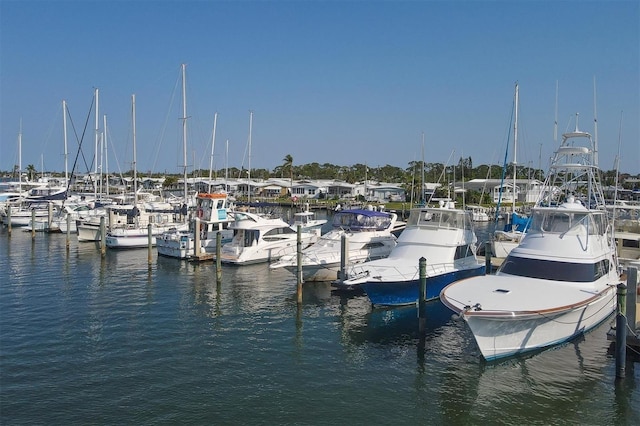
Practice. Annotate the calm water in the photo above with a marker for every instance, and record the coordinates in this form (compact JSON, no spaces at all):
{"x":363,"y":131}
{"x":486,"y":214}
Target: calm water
{"x":92,"y":340}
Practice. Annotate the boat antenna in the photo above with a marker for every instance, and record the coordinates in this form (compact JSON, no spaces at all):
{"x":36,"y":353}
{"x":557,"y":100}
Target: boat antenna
{"x":555,"y":123}
{"x":464,"y":203}
{"x":213,"y":144}
{"x":595,"y":126}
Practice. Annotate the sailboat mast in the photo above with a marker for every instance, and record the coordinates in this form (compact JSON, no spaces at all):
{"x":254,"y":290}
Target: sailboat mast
{"x":100,"y":176}
{"x":135,"y":171}
{"x":226,"y":166}
{"x":20,"y":158}
{"x":64,"y":135}
{"x":515,"y":149}
{"x":249,"y":171}
{"x":106,"y":157}
{"x":184,"y":130}
{"x":95,"y":150}
{"x":422,"y":200}
{"x":213,"y":144}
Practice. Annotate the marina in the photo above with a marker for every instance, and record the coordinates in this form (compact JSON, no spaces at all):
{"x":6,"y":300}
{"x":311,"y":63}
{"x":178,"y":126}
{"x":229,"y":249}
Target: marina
{"x":112,"y":338}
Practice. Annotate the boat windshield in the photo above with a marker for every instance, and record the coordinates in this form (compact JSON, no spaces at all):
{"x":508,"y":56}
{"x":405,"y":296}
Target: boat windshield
{"x":359,"y":221}
{"x":439,"y":218}
{"x":557,"y":221}
{"x":553,"y":270}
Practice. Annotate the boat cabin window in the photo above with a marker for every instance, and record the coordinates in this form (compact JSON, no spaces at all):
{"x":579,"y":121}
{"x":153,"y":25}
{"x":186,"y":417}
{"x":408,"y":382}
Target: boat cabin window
{"x":373,"y":245}
{"x":558,"y":222}
{"x":250,"y":237}
{"x":275,"y":234}
{"x":555,"y":271}
{"x":438,"y":218}
{"x":631,"y":243}
{"x":361,"y":222}
{"x":463,"y":251}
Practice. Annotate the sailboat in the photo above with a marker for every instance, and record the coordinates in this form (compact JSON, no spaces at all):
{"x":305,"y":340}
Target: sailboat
{"x":213,"y":210}
{"x":504,"y":240}
{"x":560,"y":281}
{"x":132,"y":230}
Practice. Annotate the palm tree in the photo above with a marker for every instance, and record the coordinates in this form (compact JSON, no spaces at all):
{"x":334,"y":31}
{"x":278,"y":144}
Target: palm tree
{"x":288,"y":164}
{"x":31,"y":170}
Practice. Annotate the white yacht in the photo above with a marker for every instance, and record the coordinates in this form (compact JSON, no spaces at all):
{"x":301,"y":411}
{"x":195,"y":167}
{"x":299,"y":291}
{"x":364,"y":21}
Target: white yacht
{"x":368,"y":236}
{"x":258,"y":239}
{"x":214,"y":214}
{"x":560,"y":281}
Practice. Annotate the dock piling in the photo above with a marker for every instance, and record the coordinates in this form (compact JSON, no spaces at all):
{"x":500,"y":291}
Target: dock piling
{"x":487,"y":257}
{"x":68,"y":243}
{"x":149,"y":244}
{"x":299,"y":257}
{"x":33,"y":223}
{"x":218,"y":259}
{"x":632,"y":294}
{"x":196,"y":238}
{"x":103,"y":236}
{"x":621,"y":331}
{"x":344,"y":257}
{"x":299,"y":270}
{"x":422,"y":301}
{"x":49,"y":215}
{"x":9,"y":220}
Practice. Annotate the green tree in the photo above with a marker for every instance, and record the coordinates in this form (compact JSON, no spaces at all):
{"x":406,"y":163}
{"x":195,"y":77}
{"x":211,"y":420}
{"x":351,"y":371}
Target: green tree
{"x":169,"y":181}
{"x":288,"y":164}
{"x":31,"y":170}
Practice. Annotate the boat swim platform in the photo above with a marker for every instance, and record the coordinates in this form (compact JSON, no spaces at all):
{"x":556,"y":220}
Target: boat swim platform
{"x":202,"y":257}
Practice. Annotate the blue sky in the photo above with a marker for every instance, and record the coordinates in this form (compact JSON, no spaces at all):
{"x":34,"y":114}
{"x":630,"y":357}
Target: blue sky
{"x":341,"y":82}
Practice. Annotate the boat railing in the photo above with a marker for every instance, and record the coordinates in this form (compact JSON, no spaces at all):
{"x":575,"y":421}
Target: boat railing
{"x":405,"y":274}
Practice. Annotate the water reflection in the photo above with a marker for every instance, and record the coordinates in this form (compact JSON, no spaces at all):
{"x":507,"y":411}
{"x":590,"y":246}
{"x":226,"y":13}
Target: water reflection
{"x":77,"y":326}
{"x":533,"y":388}
{"x":392,"y":326}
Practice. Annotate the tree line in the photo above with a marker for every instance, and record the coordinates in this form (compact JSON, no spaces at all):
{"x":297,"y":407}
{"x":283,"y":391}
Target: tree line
{"x":411,"y":175}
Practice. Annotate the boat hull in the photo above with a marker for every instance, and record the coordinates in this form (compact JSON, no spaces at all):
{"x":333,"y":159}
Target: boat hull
{"x":88,"y":232}
{"x":182,"y":245}
{"x":129,"y":241}
{"x":318,"y":272}
{"x":247,"y":256}
{"x":501,"y":336}
{"x":397,"y":293}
